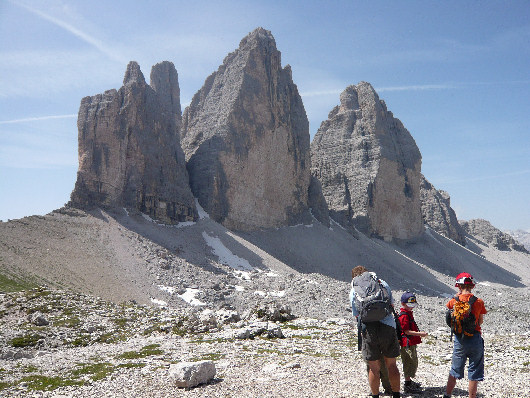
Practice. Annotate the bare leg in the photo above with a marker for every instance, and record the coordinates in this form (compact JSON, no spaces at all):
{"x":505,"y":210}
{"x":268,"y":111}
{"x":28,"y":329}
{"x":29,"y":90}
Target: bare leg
{"x":451,"y":383}
{"x":373,"y":376}
{"x":393,"y":373}
{"x":473,"y":385}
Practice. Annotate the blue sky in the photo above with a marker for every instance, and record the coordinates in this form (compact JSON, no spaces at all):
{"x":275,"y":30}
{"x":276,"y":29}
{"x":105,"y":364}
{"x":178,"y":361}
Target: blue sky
{"x":456,"y":73}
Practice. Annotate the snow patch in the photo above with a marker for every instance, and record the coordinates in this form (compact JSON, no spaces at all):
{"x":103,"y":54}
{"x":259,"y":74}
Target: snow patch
{"x":239,"y":288}
{"x":272,"y":294}
{"x":242,"y":275}
{"x":167,"y":289}
{"x":189,"y":296}
{"x":161,"y":303}
{"x":226,"y":256}
{"x":126,"y":212}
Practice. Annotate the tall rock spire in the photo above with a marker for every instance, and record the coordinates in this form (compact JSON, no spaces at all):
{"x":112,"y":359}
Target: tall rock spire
{"x":246,"y":140}
{"x":165,"y":81}
{"x":369,"y":167}
{"x":129,"y":150}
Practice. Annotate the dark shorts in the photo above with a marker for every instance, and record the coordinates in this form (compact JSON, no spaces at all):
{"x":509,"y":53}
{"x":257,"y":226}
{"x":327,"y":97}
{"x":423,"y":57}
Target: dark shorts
{"x":379,"y":340}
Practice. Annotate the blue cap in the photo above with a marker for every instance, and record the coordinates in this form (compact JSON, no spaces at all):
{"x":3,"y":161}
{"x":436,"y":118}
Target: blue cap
{"x":408,"y":297}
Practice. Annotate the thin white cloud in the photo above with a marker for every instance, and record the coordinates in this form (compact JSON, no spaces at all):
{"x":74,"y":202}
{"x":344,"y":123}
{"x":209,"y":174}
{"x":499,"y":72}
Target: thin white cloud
{"x":96,"y":43}
{"x":36,"y":119}
{"x":416,"y":87}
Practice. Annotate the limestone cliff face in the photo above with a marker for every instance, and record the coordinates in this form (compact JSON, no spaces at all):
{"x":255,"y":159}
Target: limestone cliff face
{"x":438,"y":214}
{"x":369,"y":167}
{"x":246,"y":140}
{"x":129,"y":150}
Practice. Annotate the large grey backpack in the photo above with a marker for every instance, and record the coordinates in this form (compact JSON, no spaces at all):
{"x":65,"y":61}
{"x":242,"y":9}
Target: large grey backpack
{"x":372,"y":300}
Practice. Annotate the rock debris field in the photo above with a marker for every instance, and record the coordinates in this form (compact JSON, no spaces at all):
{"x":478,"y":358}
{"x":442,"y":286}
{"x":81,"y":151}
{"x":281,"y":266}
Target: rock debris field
{"x":118,"y":302}
{"x":60,"y":344}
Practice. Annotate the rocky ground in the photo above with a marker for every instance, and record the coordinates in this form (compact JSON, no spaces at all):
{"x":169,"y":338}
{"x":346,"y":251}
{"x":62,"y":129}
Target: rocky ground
{"x":60,"y":344}
{"x":128,"y":298}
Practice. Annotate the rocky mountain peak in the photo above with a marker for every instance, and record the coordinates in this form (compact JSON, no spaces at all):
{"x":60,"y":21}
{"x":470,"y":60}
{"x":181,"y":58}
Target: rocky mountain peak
{"x":246,"y":139}
{"x":133,"y":74}
{"x":129,"y":151}
{"x":483,"y":231}
{"x":164,"y":80}
{"x":259,"y":37}
{"x":369,"y":167}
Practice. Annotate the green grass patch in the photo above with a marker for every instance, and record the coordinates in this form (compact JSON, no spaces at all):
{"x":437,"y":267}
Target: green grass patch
{"x":4,"y":385}
{"x":301,"y":336}
{"x":112,"y":338}
{"x":45,"y":383}
{"x":121,"y":322}
{"x":81,"y":341}
{"x":9,"y":284}
{"x":97,"y":371}
{"x":29,"y":340}
{"x":148,"y":350}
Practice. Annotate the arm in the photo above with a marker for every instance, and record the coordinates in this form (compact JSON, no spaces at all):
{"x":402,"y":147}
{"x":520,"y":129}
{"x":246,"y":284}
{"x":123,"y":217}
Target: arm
{"x":412,"y":333}
{"x":480,"y":319}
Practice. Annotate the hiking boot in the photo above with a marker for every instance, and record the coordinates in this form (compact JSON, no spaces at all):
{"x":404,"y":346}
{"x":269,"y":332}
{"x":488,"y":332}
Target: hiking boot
{"x":412,"y":389}
{"x":415,"y":384}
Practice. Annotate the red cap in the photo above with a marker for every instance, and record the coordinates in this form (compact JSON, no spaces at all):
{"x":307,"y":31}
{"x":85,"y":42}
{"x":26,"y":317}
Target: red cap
{"x":464,"y":279}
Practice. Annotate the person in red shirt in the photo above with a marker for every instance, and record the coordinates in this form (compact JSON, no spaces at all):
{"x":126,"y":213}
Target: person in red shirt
{"x":467,"y":347}
{"x":410,"y":338}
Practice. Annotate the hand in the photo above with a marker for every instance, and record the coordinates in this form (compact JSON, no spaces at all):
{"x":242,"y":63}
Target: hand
{"x":423,"y":334}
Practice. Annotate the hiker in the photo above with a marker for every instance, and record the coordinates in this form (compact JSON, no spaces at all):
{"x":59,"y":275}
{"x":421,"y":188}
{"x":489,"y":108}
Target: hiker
{"x":468,"y":342}
{"x":410,"y":338}
{"x":377,"y":326}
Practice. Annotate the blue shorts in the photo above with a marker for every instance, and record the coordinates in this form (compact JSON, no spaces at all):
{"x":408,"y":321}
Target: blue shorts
{"x":472,"y":348}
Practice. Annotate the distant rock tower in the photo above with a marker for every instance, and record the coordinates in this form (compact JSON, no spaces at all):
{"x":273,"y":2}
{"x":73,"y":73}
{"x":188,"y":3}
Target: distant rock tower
{"x":438,"y":213}
{"x":483,"y":232}
{"x":246,"y":140}
{"x":369,"y":167}
{"x":129,"y":149}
